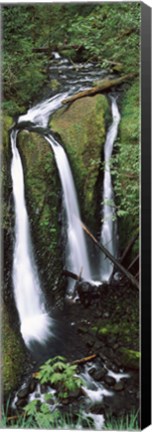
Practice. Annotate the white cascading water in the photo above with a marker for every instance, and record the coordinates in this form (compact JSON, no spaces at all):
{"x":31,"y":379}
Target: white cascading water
{"x":34,"y":320}
{"x":109,"y":228}
{"x":76,"y":253}
{"x":39,"y":114}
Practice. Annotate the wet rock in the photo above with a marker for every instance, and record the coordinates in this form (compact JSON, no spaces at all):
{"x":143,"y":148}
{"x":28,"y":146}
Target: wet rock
{"x":119,"y":386}
{"x":21,"y":402}
{"x":97,"y":409}
{"x":43,"y":388}
{"x":32,"y":385}
{"x":82,"y":329}
{"x":118,"y":362}
{"x":102,"y":356}
{"x":85,"y":292}
{"x":98,"y":346}
{"x":109,"y":380}
{"x":116,"y":346}
{"x":98,"y":314}
{"x":92,"y":370}
{"x":111,"y":340}
{"x":88,"y":292}
{"x":90,"y":343}
{"x":99,"y":374}
{"x":65,"y":401}
{"x":75,"y":394}
{"x":115,"y":368}
{"x":22,"y":393}
{"x":106,"y":315}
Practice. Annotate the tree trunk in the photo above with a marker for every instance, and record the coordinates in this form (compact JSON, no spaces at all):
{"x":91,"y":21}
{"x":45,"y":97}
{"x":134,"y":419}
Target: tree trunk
{"x":104,"y":85}
{"x":119,"y":266}
{"x":128,"y":248}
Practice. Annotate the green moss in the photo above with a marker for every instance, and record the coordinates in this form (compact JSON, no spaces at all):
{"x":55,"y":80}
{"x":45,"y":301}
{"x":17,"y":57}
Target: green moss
{"x":130,"y":357}
{"x":42,"y":190}
{"x":5,"y":172}
{"x":13,"y":354}
{"x":127,"y":168}
{"x":82,"y":130}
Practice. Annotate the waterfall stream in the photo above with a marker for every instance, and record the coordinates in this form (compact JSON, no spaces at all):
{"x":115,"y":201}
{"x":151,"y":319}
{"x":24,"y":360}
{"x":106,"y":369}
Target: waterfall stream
{"x":34,"y":320}
{"x":76,"y":253}
{"x":109,"y":226}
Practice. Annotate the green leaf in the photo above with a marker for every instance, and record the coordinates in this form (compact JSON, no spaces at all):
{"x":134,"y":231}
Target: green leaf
{"x":31,"y":408}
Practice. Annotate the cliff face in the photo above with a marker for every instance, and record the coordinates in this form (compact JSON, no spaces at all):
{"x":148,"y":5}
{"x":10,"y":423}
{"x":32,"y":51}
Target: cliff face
{"x":81,"y":127}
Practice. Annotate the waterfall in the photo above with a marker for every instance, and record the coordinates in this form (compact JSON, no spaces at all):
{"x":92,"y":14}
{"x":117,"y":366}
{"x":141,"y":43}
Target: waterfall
{"x":34,"y":320}
{"x":76,"y":251}
{"x":109,"y":226}
{"x":38,"y":115}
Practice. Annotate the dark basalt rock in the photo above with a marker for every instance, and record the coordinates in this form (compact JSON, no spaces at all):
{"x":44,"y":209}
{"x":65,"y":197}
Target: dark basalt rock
{"x":87,"y":292}
{"x":21,"y":402}
{"x":75,"y":394}
{"x":99,"y":374}
{"x":23,"y":392}
{"x":119,"y":386}
{"x":109,"y":380}
{"x":32,"y":385}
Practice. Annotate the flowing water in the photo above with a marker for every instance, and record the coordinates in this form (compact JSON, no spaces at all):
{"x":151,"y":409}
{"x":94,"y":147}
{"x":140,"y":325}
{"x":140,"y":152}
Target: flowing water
{"x":76,"y":251}
{"x":109,"y":226}
{"x":34,"y":320}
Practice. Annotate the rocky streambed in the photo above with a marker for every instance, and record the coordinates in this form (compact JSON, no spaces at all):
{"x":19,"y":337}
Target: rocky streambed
{"x":107,"y":329}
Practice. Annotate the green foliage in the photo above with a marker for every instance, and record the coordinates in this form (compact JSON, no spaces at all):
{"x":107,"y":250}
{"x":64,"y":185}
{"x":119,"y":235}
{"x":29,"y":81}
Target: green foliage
{"x":130,"y":422}
{"x":22,"y":69}
{"x":61,"y":374}
{"x":104,"y":33}
{"x":125,"y":165}
{"x":107,"y":33}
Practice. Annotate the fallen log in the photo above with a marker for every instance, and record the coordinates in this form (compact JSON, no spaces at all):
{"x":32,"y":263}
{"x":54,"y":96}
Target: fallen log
{"x":119,"y":266}
{"x":134,"y":261}
{"x":84,"y":359}
{"x":71,"y":274}
{"x":15,"y":417}
{"x":105,"y":84}
{"x":128,"y":248}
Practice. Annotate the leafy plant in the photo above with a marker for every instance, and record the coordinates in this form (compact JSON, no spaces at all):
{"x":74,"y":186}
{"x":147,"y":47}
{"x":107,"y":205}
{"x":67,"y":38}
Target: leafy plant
{"x":60,"y":374}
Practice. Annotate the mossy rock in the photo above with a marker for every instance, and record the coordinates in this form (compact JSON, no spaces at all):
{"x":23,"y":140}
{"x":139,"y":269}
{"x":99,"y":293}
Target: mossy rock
{"x":13,"y":354}
{"x":81,"y":127}
{"x":42,"y":192}
{"x":130,"y":358}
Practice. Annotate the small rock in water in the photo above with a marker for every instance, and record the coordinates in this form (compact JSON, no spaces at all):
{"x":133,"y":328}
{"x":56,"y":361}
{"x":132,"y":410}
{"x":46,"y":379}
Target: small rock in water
{"x":22,"y":393}
{"x":21,"y":403}
{"x":32,"y":385}
{"x":75,"y":394}
{"x":92,"y":370}
{"x":119,"y":386}
{"x":99,"y":374}
{"x":109,"y":380}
